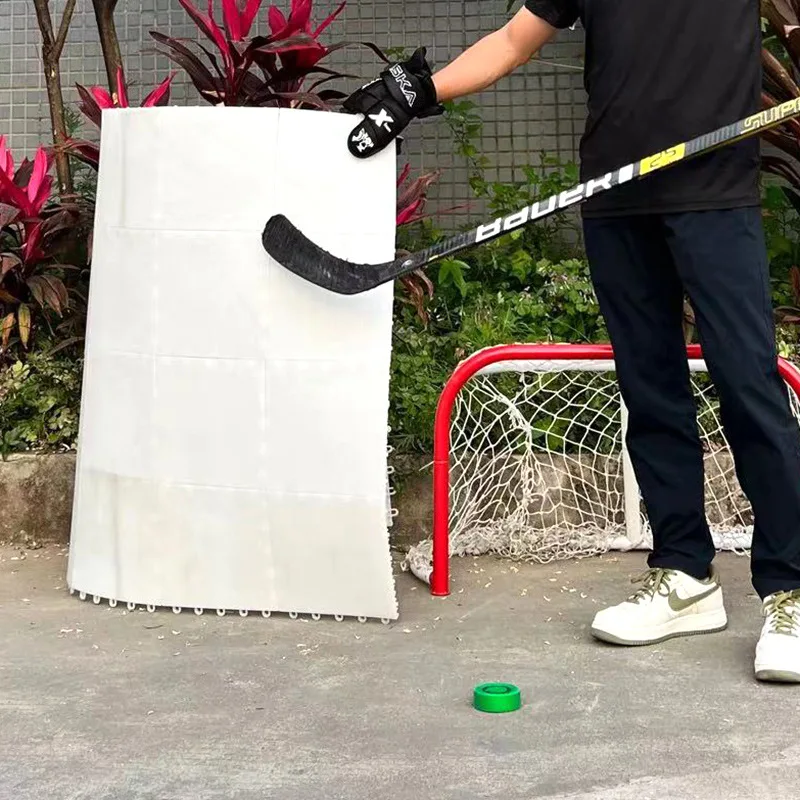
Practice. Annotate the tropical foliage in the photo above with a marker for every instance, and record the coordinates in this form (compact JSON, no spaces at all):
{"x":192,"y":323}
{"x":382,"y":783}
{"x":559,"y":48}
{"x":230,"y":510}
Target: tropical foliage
{"x":39,"y":234}
{"x":282,"y":67}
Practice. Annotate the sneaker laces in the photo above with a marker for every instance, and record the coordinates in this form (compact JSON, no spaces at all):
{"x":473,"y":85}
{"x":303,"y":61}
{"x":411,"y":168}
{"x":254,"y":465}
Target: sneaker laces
{"x":783,"y":612}
{"x":654,"y":581}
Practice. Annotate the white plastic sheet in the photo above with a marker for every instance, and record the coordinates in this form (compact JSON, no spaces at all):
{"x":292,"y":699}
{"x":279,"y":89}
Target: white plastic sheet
{"x":232,"y":450}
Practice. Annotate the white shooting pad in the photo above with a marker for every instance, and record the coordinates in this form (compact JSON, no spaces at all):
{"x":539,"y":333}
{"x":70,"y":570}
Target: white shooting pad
{"x":232,"y":451}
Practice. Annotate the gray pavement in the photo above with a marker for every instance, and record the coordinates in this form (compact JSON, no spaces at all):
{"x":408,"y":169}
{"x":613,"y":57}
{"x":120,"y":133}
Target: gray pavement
{"x":101,"y":703}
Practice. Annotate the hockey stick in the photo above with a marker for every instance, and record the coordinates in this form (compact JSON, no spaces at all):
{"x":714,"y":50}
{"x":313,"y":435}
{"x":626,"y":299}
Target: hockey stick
{"x":290,"y":248}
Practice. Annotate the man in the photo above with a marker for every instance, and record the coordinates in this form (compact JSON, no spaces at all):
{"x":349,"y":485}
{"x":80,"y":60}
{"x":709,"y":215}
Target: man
{"x":658,"y":73}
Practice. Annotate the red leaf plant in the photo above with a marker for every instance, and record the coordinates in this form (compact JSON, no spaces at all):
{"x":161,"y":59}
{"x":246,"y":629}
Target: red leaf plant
{"x":261,"y":70}
{"x":95,"y":99}
{"x":35,"y":231}
{"x":416,"y":289}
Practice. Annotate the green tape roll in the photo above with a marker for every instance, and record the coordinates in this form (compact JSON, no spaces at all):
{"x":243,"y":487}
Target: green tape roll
{"x":497,"y":698}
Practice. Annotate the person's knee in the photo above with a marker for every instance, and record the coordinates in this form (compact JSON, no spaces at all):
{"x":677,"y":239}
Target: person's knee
{"x":750,"y":389}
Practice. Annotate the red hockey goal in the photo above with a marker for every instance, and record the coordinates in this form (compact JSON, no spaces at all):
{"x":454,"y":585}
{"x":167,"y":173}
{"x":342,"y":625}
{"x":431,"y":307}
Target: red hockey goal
{"x":530,"y":463}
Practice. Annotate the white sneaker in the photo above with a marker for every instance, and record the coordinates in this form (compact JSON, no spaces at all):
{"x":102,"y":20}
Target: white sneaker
{"x":778,"y":649}
{"x":669,"y":603}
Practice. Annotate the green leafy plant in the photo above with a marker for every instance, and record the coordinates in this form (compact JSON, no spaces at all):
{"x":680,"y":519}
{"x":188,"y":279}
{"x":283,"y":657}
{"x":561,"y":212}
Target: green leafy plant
{"x":532,"y":285}
{"x":416,"y":289}
{"x":466,"y":316}
{"x":466,"y":128}
{"x":39,"y":404}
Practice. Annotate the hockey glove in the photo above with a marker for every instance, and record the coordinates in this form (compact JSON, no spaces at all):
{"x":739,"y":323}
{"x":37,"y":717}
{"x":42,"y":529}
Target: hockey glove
{"x":403,"y":92}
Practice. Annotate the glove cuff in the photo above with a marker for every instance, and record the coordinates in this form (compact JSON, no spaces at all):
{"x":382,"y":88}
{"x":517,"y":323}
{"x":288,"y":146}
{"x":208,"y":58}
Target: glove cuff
{"x":410,"y":83}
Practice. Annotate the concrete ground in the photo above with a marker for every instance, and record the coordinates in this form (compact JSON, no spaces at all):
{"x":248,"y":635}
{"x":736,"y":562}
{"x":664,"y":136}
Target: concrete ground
{"x":101,"y":703}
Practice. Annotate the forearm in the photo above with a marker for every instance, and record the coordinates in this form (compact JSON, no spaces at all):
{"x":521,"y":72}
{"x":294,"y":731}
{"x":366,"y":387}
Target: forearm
{"x":493,"y":57}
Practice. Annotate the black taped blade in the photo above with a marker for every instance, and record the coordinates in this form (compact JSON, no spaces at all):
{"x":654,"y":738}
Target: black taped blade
{"x":297,"y":253}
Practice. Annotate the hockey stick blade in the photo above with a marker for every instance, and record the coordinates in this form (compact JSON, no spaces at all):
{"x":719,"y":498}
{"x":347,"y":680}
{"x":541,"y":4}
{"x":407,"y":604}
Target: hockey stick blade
{"x":298,"y":254}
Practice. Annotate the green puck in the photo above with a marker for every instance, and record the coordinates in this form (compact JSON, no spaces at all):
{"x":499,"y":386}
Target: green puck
{"x":497,"y":698}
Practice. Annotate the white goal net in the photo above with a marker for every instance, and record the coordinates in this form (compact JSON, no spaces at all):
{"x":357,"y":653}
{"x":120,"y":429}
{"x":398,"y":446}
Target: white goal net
{"x":539,"y":471}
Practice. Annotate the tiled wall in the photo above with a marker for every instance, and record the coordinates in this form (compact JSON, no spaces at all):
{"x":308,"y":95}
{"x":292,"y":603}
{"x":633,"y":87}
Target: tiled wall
{"x":540,"y":108}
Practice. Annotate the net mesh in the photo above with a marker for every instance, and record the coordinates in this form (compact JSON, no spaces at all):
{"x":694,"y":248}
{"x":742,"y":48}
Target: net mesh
{"x":539,"y":471}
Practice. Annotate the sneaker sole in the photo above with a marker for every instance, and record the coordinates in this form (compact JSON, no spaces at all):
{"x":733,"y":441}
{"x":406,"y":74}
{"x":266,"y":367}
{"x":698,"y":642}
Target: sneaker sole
{"x":777,"y":676}
{"x":713,"y":623}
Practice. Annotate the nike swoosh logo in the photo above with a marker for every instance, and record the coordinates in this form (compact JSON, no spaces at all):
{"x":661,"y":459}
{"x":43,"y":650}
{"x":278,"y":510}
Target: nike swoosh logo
{"x":677,"y":603}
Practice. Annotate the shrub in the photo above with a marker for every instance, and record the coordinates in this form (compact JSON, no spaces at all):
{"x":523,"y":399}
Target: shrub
{"x":532,"y":285}
{"x":559,"y":307}
{"x":40,"y":290}
{"x":39,"y":404}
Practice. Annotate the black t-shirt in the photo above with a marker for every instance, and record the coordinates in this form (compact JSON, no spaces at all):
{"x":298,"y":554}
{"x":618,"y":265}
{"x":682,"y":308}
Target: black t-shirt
{"x":660,"y":72}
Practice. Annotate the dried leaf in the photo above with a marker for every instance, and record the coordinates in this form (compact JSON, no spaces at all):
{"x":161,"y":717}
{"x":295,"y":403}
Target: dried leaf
{"x":6,"y":326}
{"x":24,"y":324}
{"x":61,"y":290}
{"x":49,"y":291}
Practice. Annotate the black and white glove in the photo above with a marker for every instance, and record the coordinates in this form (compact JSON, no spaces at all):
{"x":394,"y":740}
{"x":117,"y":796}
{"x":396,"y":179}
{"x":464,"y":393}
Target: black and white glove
{"x":403,"y":92}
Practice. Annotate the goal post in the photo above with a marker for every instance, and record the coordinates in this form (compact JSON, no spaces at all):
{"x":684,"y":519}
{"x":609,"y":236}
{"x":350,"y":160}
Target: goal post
{"x":529,"y":460}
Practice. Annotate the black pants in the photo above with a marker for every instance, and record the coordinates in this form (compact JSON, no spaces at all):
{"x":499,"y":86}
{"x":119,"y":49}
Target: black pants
{"x":641,"y":266}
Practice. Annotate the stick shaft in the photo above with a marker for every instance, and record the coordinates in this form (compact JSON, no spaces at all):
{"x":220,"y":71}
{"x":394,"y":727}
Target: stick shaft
{"x":743,"y":129}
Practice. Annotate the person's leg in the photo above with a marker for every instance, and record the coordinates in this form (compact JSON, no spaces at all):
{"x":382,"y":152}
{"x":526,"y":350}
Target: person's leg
{"x":641,"y":299}
{"x":722,"y":260}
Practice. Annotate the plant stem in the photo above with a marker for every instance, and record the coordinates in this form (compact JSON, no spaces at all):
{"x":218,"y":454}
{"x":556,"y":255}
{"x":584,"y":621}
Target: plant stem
{"x":109,"y":41}
{"x":52,"y":47}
